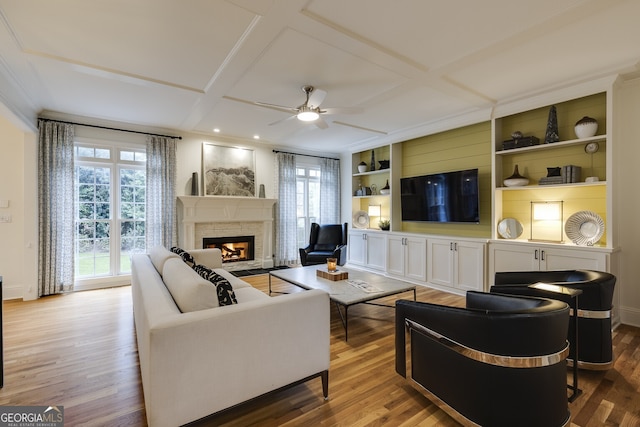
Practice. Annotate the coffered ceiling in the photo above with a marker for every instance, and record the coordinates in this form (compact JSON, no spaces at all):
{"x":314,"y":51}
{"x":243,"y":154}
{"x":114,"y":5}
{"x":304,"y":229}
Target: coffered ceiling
{"x":196,"y":65}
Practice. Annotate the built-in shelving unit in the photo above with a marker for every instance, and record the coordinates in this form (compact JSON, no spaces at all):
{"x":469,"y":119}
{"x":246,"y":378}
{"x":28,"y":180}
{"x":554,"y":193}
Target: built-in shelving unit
{"x":533,"y":161}
{"x":485,"y":254}
{"x":374,"y":181}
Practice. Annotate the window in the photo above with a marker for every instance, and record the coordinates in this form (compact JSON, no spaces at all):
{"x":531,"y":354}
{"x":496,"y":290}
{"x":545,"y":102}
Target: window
{"x":110,"y":194}
{"x":307,"y":200}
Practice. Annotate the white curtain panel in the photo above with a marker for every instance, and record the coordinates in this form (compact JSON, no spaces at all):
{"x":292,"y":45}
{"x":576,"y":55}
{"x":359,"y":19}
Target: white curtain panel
{"x":286,"y":215}
{"x":329,"y":191}
{"x":55,"y":208}
{"x":161,"y":192}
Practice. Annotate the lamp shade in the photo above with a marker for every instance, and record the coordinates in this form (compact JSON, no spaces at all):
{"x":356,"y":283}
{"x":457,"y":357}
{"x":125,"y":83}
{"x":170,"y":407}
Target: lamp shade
{"x":546,"y":221}
{"x":374,"y":210}
{"x":547,"y":211}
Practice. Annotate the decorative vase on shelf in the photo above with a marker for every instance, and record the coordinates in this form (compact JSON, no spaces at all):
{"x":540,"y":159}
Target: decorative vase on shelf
{"x":373,"y":161}
{"x":516,"y":180}
{"x":385,"y":190}
{"x":194,"y":184}
{"x":586,"y":127}
{"x":362,"y":167}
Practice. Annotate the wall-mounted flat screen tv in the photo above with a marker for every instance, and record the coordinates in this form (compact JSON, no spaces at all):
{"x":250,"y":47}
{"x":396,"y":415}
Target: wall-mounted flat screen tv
{"x":441,"y":197}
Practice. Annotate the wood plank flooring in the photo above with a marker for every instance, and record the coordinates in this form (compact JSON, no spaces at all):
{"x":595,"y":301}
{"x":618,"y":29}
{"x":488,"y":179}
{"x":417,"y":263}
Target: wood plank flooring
{"x":79,"y":351}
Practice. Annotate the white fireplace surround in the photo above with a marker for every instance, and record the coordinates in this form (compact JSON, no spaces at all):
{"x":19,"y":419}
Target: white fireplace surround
{"x":219,"y":216}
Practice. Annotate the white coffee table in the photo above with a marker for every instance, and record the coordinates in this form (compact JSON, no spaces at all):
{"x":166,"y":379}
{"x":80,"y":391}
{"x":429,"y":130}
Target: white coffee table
{"x":345,"y":293}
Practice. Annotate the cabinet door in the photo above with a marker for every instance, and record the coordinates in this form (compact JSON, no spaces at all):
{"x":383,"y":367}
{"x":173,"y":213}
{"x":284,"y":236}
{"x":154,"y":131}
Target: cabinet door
{"x":395,"y":255}
{"x":469,"y":266}
{"x":376,"y":251}
{"x":512,"y":257}
{"x":357,"y":248}
{"x":440,"y":262}
{"x":415,"y":258}
{"x":571,"y":259}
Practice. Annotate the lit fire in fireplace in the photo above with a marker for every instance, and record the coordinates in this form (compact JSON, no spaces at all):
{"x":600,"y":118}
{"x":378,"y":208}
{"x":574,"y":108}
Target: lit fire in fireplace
{"x":233,"y":249}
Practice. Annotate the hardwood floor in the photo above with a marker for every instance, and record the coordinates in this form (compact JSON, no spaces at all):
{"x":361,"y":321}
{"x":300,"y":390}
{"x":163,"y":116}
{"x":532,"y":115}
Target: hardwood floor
{"x":79,"y":351}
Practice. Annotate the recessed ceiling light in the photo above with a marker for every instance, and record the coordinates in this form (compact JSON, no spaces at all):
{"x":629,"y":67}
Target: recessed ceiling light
{"x":216,"y":130}
{"x":256,"y":136}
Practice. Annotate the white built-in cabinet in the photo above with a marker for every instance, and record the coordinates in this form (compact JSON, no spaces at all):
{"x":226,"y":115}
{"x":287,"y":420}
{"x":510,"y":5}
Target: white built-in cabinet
{"x":456,"y":264}
{"x":367,"y":248}
{"x":406,"y":256}
{"x":512,"y":256}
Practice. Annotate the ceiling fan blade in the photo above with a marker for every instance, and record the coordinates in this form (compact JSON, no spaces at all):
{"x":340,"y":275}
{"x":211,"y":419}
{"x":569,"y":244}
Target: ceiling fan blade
{"x":276,"y":107}
{"x":321,"y":123}
{"x":263,"y":104}
{"x":316,"y":97}
{"x":354,"y":110}
{"x":282,"y":120}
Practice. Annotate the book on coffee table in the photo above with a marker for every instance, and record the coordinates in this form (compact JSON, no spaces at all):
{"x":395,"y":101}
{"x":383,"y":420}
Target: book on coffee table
{"x":363,"y":286}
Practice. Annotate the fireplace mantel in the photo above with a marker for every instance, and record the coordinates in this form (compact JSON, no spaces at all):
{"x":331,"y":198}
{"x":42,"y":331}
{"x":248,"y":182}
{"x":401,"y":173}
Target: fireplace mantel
{"x":194,"y":210}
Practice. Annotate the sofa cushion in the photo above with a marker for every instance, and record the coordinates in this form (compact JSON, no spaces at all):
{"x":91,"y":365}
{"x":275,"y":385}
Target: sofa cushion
{"x":186,"y":256}
{"x":249,"y":293}
{"x":160,"y":254}
{"x":190,"y":291}
{"x":210,"y":257}
{"x":226,"y":295}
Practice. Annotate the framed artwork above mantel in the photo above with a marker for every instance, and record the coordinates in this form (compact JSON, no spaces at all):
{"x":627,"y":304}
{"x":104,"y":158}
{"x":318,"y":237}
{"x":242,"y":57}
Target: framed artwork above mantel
{"x":228,"y":171}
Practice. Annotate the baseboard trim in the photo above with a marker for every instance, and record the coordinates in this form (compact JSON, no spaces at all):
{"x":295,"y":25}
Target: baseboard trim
{"x":630,"y":316}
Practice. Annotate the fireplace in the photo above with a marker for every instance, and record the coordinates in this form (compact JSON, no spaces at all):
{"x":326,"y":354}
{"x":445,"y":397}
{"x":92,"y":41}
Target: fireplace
{"x":200,"y":217}
{"x":234,"y":249}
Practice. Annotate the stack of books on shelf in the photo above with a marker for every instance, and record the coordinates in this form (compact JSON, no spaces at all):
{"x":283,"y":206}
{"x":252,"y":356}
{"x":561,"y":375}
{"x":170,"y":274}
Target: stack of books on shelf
{"x":571,"y":173}
{"x":550,"y":180}
{"x":568,"y":174}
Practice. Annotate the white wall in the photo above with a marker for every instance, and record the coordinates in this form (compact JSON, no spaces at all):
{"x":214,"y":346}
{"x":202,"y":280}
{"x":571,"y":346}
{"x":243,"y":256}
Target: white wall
{"x":18,"y":247}
{"x":628,"y":207}
{"x":190,"y":160}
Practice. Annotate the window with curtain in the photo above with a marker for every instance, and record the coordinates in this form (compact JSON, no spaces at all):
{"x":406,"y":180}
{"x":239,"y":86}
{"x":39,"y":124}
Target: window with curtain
{"x":110,"y":194}
{"x":307,"y":200}
{"x":308,"y":191}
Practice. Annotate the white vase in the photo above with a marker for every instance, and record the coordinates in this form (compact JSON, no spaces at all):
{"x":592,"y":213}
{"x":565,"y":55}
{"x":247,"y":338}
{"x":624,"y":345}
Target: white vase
{"x":586,"y":127}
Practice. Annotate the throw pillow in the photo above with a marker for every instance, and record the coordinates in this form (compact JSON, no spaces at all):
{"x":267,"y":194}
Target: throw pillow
{"x":226,"y":295}
{"x":186,"y":256}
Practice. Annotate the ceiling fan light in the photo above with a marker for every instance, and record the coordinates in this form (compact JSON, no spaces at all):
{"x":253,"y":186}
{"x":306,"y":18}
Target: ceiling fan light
{"x":307,"y":114}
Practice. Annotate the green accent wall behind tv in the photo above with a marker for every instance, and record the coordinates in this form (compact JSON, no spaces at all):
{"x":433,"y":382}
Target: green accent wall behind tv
{"x":463,"y":148}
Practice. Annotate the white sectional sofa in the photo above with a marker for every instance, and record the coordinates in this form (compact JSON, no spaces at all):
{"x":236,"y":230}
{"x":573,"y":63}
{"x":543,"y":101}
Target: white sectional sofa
{"x":196,"y":363}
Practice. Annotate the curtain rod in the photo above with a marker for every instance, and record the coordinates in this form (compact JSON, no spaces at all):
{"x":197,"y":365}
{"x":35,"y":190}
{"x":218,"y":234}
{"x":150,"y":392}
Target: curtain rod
{"x":110,"y":128}
{"x":307,"y":155}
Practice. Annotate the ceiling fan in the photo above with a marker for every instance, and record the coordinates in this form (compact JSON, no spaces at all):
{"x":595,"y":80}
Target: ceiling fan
{"x":309,"y":111}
